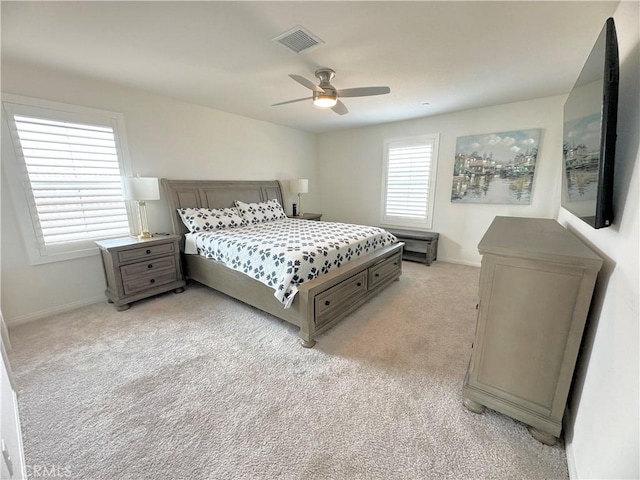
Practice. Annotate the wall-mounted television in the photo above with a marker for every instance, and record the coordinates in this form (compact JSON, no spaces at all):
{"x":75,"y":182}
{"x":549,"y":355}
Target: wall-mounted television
{"x":589,"y":140}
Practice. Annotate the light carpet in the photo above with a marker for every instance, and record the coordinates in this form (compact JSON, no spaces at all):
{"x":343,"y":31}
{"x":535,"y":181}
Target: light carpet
{"x":200,"y":386}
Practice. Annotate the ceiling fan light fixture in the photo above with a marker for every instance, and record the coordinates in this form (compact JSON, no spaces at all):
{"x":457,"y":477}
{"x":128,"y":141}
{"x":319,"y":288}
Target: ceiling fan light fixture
{"x":325,"y":95}
{"x":325,"y":101}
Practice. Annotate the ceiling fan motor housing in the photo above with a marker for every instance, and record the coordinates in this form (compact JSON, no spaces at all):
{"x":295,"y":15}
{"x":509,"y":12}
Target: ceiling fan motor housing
{"x":329,"y":94}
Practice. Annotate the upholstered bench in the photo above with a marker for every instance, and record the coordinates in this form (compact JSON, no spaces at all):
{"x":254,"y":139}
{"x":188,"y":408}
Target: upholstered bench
{"x":418,"y":246}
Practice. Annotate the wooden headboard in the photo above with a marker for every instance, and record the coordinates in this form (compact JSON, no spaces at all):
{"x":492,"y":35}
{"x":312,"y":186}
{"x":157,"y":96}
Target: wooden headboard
{"x":216,"y":194}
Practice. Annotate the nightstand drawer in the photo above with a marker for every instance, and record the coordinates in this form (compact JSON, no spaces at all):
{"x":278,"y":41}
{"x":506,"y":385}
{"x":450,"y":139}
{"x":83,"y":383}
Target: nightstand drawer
{"x":144,"y":282}
{"x":153,"y":265}
{"x":148,"y":251}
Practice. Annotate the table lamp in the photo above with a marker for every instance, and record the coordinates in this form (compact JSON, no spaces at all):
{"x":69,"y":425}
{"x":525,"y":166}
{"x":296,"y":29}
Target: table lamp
{"x":299,"y":186}
{"x":142,"y":189}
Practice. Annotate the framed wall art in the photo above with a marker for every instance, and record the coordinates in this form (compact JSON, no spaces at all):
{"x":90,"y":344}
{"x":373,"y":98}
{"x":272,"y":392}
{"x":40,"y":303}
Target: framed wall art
{"x":495,"y":167}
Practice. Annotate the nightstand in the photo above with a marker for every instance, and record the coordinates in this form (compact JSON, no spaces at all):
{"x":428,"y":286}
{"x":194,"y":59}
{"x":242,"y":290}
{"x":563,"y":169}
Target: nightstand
{"x":137,"y":269}
{"x":307,"y":216}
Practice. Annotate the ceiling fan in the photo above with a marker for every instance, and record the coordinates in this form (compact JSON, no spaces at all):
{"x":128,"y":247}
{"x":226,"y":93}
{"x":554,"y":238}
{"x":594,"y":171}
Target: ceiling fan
{"x":326,"y":95}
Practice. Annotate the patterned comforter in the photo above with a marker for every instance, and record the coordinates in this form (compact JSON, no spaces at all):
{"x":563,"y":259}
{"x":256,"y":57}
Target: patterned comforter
{"x":282,"y":254}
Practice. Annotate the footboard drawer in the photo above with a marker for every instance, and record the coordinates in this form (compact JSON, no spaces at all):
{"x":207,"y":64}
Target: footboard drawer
{"x":384,"y":270}
{"x":339,"y":298}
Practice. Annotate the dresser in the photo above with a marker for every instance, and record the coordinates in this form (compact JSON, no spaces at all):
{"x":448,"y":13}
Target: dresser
{"x":536,"y":283}
{"x":140,"y":268}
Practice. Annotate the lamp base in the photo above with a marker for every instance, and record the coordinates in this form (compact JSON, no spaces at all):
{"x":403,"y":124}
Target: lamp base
{"x":143,"y":223}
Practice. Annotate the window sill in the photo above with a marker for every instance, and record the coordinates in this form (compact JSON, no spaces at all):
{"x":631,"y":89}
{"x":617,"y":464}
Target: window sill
{"x":37,"y":259}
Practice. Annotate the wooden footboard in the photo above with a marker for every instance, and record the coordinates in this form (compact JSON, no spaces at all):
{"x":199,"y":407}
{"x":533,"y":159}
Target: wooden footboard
{"x":320,"y":303}
{"x":329,"y":298}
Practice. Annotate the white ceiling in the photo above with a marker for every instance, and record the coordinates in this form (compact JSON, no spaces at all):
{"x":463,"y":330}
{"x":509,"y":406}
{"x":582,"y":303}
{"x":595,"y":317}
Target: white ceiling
{"x":453,"y":55}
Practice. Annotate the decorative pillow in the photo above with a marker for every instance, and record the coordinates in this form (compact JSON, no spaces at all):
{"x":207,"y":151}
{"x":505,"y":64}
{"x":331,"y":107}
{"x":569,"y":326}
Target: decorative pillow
{"x":207,"y":219}
{"x":261,"y":212}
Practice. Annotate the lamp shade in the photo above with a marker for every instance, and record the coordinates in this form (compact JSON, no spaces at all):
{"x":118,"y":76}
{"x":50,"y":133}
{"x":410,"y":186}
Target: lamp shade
{"x":141,"y":188}
{"x":299,"y":185}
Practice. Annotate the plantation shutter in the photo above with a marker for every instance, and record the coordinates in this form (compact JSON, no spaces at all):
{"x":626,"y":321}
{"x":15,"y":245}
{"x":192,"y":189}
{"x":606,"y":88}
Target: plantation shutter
{"x":74,"y":174}
{"x":410,"y":168}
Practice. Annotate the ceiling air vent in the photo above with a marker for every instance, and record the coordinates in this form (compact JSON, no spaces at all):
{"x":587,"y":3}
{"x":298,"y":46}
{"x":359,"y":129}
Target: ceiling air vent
{"x":298,"y":39}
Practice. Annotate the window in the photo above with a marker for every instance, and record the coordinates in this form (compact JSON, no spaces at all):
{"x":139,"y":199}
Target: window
{"x":69,"y":165}
{"x":409,"y":181}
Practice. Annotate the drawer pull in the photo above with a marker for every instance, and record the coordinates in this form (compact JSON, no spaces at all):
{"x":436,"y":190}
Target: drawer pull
{"x":377,"y":275}
{"x":153,"y":280}
{"x":150,"y":266}
{"x":148,"y":252}
{"x":359,"y":284}
{"x":327,"y":303}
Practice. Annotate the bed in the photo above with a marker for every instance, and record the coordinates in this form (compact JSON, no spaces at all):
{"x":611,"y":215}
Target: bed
{"x":318,"y":304}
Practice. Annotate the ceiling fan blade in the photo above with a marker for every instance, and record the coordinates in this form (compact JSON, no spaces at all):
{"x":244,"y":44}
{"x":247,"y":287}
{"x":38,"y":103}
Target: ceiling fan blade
{"x":340,"y":108}
{"x":306,"y":83}
{"x":363,"y":91}
{"x":292,"y":101}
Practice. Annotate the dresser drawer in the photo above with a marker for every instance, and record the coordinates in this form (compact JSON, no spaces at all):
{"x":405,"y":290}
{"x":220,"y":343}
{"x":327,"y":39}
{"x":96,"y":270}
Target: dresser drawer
{"x":148,"y":251}
{"x":383,"y":270}
{"x":144,"y":282}
{"x":338,"y":298}
{"x":153,"y":265}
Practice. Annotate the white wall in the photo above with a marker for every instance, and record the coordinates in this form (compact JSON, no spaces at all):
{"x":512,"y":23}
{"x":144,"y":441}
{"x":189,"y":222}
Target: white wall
{"x":166,"y":138}
{"x":602,"y":432}
{"x":350,"y":166}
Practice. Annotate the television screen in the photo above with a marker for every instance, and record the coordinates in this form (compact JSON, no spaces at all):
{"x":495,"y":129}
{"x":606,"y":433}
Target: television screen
{"x":590,"y":117}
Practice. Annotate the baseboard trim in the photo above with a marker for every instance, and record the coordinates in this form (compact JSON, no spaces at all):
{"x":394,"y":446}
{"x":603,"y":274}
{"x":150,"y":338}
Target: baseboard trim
{"x":10,"y":322}
{"x":460,"y":262}
{"x":567,"y":426}
{"x":571,"y":462}
{"x":31,"y":317}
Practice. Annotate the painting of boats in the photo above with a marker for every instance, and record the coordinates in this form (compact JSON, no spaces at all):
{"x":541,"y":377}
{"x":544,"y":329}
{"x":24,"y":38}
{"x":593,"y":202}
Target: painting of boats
{"x":496,"y":167}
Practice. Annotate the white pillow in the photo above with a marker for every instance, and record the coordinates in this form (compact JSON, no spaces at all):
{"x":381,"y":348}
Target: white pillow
{"x":261,"y":212}
{"x":208,"y":219}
